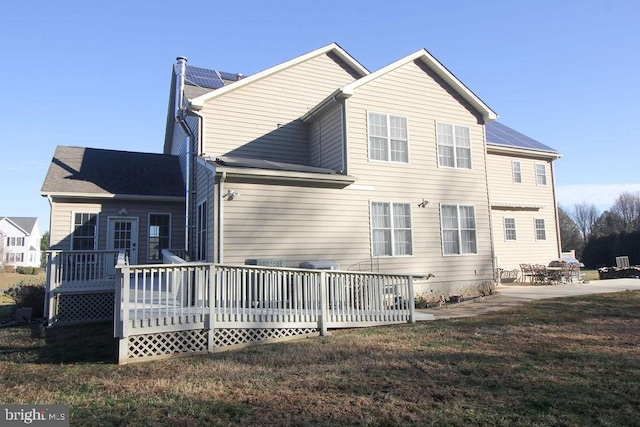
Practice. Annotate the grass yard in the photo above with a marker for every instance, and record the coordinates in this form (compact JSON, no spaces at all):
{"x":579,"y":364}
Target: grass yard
{"x":9,"y":280}
{"x":571,"y":361}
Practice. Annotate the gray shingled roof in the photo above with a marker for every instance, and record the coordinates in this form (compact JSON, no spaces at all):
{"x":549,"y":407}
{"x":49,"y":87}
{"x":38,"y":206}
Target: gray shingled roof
{"x":25,"y":222}
{"x":106,"y":172}
{"x":499,"y":134}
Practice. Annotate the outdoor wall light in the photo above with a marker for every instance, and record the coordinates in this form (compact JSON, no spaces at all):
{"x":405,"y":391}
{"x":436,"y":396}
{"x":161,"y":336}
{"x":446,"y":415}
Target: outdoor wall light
{"x":423,"y":203}
{"x":232,"y":194}
{"x":123,"y":212}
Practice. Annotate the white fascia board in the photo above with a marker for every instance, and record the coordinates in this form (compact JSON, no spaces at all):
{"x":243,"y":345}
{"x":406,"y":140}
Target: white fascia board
{"x":114,"y":196}
{"x":487,"y":113}
{"x":198,"y":102}
{"x":522,"y":152}
{"x":337,"y":95}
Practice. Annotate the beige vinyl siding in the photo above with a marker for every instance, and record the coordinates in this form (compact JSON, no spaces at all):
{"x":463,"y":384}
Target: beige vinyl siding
{"x":205,"y":191}
{"x":296,"y":224}
{"x":300,"y":224}
{"x":327,"y":146}
{"x":62,"y":212}
{"x":413,"y":93}
{"x":535,"y":201}
{"x":261,"y":119}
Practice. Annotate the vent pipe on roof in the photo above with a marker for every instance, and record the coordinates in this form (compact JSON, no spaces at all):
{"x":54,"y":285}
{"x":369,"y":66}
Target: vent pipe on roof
{"x":181,"y":69}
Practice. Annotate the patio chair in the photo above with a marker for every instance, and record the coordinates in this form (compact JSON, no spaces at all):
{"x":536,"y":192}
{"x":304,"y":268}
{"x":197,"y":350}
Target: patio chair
{"x":539,"y":276}
{"x":527,"y":272}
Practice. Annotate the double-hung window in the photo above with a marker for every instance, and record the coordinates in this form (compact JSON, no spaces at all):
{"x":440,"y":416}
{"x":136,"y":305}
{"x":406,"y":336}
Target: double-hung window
{"x":510,"y":229}
{"x":201,"y":231}
{"x":15,"y":241}
{"x":541,"y":174}
{"x":517,"y":172}
{"x":541,"y":233}
{"x":454,"y":146}
{"x":391,"y":229}
{"x":85,"y":232}
{"x":14,"y":257}
{"x":159,"y":234}
{"x":388,"y":139}
{"x":458,"y":230}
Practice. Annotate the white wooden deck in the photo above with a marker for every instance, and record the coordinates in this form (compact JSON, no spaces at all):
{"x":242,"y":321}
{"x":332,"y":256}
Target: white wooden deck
{"x":192,"y":307}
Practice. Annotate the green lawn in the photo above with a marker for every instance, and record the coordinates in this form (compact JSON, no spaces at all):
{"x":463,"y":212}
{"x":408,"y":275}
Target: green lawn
{"x":571,"y":361}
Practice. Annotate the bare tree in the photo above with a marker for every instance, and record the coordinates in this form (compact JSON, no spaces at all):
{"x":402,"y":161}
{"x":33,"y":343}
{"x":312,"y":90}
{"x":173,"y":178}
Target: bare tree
{"x":585,"y":216}
{"x":569,"y":233}
{"x":627,"y":207}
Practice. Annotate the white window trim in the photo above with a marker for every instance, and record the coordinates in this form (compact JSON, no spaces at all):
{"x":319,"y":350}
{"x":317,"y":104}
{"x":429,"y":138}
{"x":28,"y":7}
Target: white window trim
{"x":149,"y":232}
{"x":535,"y":229}
{"x":455,"y":157}
{"x":546,"y":178}
{"x":515,"y":229}
{"x":393,"y":246}
{"x":388,"y":116}
{"x":513,"y":171}
{"x":475,"y":218}
{"x":73,"y":227}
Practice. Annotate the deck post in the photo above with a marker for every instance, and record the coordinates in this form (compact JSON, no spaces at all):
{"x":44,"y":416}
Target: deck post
{"x":211,"y":284}
{"x":324,"y":303}
{"x":52,"y":273}
{"x":121,"y":312}
{"x":412,"y":301}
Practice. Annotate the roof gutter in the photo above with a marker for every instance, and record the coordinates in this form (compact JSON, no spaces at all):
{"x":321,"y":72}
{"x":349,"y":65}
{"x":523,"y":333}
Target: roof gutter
{"x":493,"y":148}
{"x":286,"y":177}
{"x":338,"y":95}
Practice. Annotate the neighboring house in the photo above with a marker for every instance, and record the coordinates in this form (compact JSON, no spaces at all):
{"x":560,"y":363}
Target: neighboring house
{"x":2,"y":243}
{"x":111,"y":200}
{"x":20,"y":241}
{"x":318,"y":159}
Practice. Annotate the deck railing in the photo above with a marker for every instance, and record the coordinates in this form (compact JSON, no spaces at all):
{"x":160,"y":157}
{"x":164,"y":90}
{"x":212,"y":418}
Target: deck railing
{"x":161,"y":298}
{"x":79,"y":283}
{"x":81,"y":270}
{"x":186,"y":307}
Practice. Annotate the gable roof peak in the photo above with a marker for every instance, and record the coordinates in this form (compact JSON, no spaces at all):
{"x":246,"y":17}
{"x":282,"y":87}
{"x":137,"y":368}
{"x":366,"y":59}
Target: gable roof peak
{"x":436,"y":66}
{"x":197,"y":103}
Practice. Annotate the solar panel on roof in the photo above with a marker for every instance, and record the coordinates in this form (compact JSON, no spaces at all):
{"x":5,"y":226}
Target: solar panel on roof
{"x":499,"y":134}
{"x":228,"y":76}
{"x":203,"y":77}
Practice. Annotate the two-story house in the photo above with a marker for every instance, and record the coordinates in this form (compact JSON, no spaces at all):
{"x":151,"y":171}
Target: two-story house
{"x":318,"y":159}
{"x":20,"y":241}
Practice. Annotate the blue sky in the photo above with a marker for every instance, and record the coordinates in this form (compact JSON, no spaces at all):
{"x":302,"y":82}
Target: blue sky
{"x":97,"y":74}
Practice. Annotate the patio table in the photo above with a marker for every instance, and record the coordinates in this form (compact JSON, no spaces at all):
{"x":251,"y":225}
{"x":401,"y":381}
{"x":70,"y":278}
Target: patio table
{"x":554,"y":274}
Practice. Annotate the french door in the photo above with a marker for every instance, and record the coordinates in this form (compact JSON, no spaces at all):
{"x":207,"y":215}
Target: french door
{"x":123,"y":235}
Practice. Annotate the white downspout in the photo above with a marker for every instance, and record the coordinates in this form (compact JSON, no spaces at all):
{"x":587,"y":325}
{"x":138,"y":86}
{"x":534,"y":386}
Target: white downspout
{"x":223,"y":177}
{"x":180,"y":110}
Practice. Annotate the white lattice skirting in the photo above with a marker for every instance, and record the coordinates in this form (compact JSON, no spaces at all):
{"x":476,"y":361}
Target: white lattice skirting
{"x":77,"y":308}
{"x":163,"y":344}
